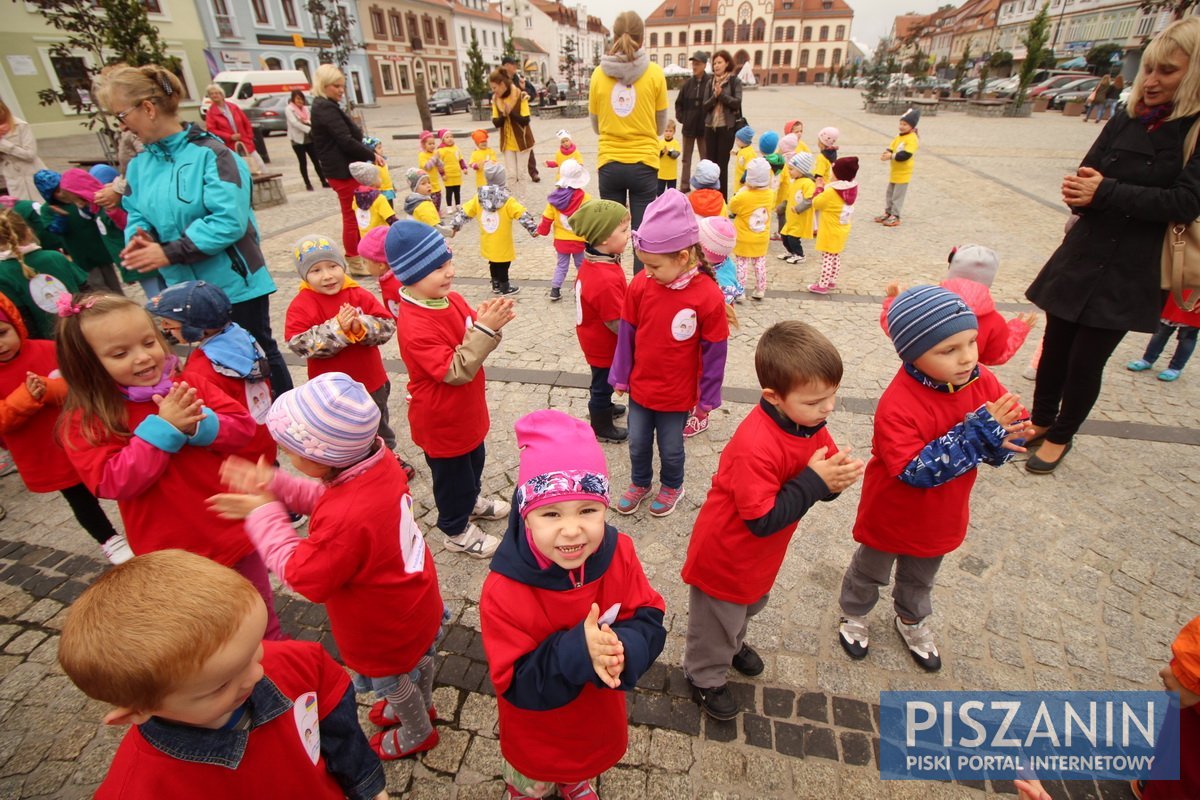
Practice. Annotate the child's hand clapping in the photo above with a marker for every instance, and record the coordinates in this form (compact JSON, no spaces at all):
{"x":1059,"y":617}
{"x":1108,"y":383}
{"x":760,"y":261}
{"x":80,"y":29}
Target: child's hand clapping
{"x":495,"y":313}
{"x":244,"y":476}
{"x":839,"y":471}
{"x":1008,"y":412}
{"x":1030,"y":318}
{"x":347,"y":318}
{"x":886,"y":155}
{"x":36,"y":385}
{"x":604,"y":648}
{"x":181,"y":407}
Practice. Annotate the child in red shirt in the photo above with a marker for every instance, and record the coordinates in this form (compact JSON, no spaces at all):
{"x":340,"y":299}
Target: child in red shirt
{"x":364,"y":557}
{"x":338,"y":326}
{"x":31,"y":398}
{"x":673,"y":328}
{"x":599,"y":296}
{"x":779,"y":463}
{"x":138,"y":435}
{"x":942,"y":415}
{"x":444,"y":342}
{"x":569,"y":621}
{"x":174,"y":643}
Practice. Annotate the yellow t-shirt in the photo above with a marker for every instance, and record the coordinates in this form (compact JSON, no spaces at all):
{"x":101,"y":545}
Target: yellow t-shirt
{"x":495,"y":228}
{"x":744,"y":157}
{"x":435,"y":178}
{"x":833,"y":228}
{"x":427,"y":212}
{"x":562,"y":228}
{"x":481,"y":156}
{"x":450,"y":160}
{"x":801,"y":147}
{"x":902,"y":170}
{"x":507,"y":140}
{"x":627,"y":116}
{"x":751,"y":211}
{"x":375,"y":216}
{"x":823,"y":168}
{"x":799,"y":224}
{"x":385,"y":180}
{"x":785,"y":181}
{"x":668,"y":166}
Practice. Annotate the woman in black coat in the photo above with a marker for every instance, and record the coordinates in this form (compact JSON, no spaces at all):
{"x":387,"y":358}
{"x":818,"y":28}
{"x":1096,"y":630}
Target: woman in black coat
{"x":722,"y":109}
{"x":1104,"y":280}
{"x":337,"y":142}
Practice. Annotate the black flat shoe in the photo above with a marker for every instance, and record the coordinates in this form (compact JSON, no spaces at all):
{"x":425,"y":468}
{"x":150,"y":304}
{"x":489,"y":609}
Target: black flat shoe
{"x":1040,"y":467}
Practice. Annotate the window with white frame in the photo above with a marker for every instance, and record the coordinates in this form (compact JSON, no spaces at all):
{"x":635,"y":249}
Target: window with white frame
{"x":388,"y":75}
{"x":666,"y":62}
{"x":261,"y":17}
{"x":405,"y":80}
{"x":289,"y":14}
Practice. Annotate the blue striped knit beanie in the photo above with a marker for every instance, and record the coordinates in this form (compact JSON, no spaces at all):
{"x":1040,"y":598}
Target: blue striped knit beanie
{"x":414,"y":250}
{"x":925,"y":315}
{"x":331,"y":420}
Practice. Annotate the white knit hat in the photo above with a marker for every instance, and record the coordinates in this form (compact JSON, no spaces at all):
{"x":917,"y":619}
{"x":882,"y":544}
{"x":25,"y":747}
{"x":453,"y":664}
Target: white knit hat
{"x":572,"y":175}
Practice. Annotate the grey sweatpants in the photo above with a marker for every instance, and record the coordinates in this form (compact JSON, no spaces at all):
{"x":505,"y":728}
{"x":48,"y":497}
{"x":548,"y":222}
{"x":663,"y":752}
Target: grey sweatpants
{"x":380,"y":396}
{"x":896,"y":192}
{"x":871,"y":569}
{"x":715,"y":633}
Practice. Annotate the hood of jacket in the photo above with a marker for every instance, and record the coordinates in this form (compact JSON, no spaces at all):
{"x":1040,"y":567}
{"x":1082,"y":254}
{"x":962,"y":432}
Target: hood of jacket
{"x":975,"y":294}
{"x":166,"y":148}
{"x":566,"y":200}
{"x":365,"y":196}
{"x":707,"y":202}
{"x":10,"y":310}
{"x":625,"y":70}
{"x":413,"y":200}
{"x":84,"y":184}
{"x":847,"y":190}
{"x":515,"y":559}
{"x":493,"y":198}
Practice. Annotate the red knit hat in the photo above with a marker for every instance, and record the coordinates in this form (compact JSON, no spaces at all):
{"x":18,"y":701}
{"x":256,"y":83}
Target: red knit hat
{"x":1185,"y":664}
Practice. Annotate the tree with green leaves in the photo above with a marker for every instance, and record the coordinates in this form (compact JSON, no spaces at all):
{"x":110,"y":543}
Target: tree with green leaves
{"x":1035,"y":42}
{"x":960,"y":69}
{"x":595,"y":54}
{"x":876,"y":73}
{"x":1000,"y":60}
{"x":105,"y":32}
{"x":917,"y":64}
{"x":477,"y":71}
{"x":1099,"y":58}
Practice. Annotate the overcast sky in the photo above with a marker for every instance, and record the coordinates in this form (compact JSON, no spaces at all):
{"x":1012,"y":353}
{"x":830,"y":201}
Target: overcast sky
{"x":872,"y":18}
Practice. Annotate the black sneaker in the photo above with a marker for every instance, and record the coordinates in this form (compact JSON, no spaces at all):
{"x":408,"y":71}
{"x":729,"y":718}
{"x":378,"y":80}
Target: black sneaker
{"x":495,"y":287}
{"x":506,"y":288}
{"x":748,"y":662}
{"x":555,"y":294}
{"x":717,"y":702}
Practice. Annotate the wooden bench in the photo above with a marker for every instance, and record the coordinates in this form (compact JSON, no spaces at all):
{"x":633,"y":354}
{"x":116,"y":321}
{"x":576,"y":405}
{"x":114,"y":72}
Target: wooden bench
{"x":87,"y":163}
{"x":266,"y":190}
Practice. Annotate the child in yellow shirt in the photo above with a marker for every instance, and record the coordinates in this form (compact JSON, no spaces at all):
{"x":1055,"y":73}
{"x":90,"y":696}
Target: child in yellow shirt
{"x":385,"y":177}
{"x":496,"y":209}
{"x":453,"y":165}
{"x":418,"y":204}
{"x":668,"y":159}
{"x":481,"y":156}
{"x":566,"y":151}
{"x":827,"y":141}
{"x":900,"y":152}
{"x":835,"y":208}
{"x":751,"y":212}
{"x":427,"y":159}
{"x":798,"y":211}
{"x":744,"y":140}
{"x":371,"y":208}
{"x":562,"y":202}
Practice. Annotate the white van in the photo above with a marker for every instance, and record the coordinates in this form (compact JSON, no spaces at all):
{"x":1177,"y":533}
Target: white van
{"x":243,"y":87}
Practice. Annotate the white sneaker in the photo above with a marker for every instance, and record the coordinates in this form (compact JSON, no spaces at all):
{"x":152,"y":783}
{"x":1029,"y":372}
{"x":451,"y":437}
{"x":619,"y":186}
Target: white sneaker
{"x":919,"y":640}
{"x":785,"y":257}
{"x":473,"y":542}
{"x":490,"y":508}
{"x":116,"y":549}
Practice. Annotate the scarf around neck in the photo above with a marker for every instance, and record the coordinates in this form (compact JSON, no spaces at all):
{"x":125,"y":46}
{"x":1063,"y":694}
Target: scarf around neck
{"x":683,"y":280}
{"x":1152,"y":116}
{"x":144,"y":394}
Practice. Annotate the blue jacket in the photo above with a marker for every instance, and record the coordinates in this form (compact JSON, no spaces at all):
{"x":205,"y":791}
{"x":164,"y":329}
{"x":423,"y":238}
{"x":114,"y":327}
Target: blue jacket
{"x":191,"y":193}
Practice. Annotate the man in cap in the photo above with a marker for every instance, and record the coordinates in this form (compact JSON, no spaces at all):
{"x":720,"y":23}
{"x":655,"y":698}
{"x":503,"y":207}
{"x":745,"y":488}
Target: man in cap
{"x":521,"y":82}
{"x":689,"y":111}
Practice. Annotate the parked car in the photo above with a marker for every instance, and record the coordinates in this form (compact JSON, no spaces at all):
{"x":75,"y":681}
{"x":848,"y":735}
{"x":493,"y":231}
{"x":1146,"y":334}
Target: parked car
{"x":1085,"y":85}
{"x":1057,"y":82}
{"x":267,"y":113}
{"x":447,"y":101}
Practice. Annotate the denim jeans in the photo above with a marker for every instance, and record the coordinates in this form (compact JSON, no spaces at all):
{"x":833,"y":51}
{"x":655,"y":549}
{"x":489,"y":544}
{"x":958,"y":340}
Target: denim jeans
{"x":601,"y":393}
{"x":1183,"y":350}
{"x":644,"y":425}
{"x":632,"y":185}
{"x":255,"y":316}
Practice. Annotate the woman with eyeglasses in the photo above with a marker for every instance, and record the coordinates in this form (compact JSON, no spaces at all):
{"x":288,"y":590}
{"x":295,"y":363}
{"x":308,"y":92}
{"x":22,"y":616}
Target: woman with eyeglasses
{"x":188,"y":200}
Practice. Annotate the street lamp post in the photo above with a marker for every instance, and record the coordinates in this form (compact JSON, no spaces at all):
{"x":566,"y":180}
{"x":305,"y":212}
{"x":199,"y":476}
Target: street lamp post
{"x":1058,"y":27}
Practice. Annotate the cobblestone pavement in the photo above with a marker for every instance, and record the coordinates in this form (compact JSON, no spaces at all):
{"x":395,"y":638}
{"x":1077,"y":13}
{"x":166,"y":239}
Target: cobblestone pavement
{"x":1074,"y":581}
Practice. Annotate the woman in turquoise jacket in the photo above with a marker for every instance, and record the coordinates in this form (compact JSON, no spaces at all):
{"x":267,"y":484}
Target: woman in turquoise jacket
{"x":188,"y":200}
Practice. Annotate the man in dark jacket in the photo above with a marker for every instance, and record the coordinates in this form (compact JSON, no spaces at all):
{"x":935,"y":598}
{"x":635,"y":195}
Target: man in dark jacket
{"x":521,"y":82}
{"x":689,"y":111}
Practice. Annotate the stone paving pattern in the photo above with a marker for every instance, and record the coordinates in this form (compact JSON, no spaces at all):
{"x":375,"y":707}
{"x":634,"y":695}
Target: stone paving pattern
{"x":1079,"y":580}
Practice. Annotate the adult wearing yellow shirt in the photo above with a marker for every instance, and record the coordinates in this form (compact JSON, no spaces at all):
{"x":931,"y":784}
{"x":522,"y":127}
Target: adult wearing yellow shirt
{"x":510,"y":116}
{"x":627,"y":101}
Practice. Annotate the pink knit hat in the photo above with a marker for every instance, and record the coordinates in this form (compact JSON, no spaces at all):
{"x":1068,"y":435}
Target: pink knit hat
{"x":828,"y":137}
{"x":560,"y":461}
{"x":371,"y":245}
{"x":668,"y":226}
{"x":717,"y":238}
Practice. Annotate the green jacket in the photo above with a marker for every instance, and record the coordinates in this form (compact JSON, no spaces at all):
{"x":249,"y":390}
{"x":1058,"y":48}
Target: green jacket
{"x":55,"y":275}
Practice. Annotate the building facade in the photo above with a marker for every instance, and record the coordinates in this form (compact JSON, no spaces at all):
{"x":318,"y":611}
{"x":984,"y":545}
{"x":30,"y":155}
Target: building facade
{"x":28,"y":66}
{"x":410,"y":39}
{"x":482,"y":19}
{"x":785,"y":41}
{"x":541,"y":30}
{"x":277,"y":34}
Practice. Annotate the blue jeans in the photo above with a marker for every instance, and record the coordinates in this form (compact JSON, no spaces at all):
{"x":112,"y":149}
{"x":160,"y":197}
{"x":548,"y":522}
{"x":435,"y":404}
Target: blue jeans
{"x":600,"y":398}
{"x":644,"y":425}
{"x":1183,"y":351}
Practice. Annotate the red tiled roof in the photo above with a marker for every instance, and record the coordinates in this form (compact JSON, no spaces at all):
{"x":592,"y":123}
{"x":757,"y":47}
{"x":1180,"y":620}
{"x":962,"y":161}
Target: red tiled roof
{"x":522,"y":45}
{"x":683,"y":11}
{"x":596,"y":25}
{"x":906,"y":24}
{"x":492,"y":13}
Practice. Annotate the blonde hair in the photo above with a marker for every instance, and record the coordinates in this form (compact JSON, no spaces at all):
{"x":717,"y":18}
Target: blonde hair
{"x":6,"y":115}
{"x":628,"y":33}
{"x":14,"y":232}
{"x":138,"y":84}
{"x":324,"y":77}
{"x":147,"y":625}
{"x":91,"y":391}
{"x":1183,"y":36}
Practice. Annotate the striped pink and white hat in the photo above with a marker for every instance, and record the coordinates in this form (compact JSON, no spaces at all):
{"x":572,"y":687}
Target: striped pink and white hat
{"x":331,"y":420}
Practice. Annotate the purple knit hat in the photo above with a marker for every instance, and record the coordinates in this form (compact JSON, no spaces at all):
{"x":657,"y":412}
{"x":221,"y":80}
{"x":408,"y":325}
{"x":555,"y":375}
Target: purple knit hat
{"x":668,"y":226}
{"x":331,"y":420}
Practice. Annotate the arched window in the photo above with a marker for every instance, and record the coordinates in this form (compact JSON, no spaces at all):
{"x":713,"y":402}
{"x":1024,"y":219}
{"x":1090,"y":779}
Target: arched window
{"x":779,"y":33}
{"x":743,"y":22}
{"x":654,"y":40}
{"x":273,"y":63}
{"x":667,"y":39}
{"x":666,"y":62}
{"x":758,"y":58}
{"x":683,"y":38}
{"x":803,"y":59}
{"x":841,"y":32}
{"x":821,"y":57}
{"x":743,"y":32}
{"x":836,"y":59}
{"x":807,"y":33}
{"x":302,"y":65}
{"x":787,"y":59}
{"x":791,"y":33}
{"x":727,"y":31}
{"x":760,"y":30}
{"x":824,"y":32}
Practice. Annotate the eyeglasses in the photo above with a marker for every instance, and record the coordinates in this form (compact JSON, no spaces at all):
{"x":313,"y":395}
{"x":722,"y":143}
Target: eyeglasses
{"x":123,"y":114}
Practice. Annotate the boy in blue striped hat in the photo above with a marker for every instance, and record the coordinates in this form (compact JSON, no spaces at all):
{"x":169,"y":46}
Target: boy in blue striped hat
{"x":943,"y":414}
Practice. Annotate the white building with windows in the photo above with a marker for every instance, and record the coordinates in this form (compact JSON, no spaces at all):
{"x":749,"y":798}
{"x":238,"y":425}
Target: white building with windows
{"x":277,"y":34}
{"x":547,"y":26}
{"x":484,"y":20}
